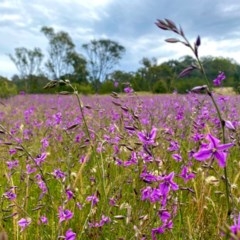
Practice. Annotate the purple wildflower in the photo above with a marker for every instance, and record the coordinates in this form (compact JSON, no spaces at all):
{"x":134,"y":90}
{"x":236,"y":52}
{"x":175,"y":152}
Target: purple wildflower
{"x":23,"y":223}
{"x":218,"y":80}
{"x":230,"y":125}
{"x":44,"y":143}
{"x":235,"y":229}
{"x":112,"y":201}
{"x":162,"y":229}
{"x":41,"y":184}
{"x":177,"y":157}
{"x":104,"y":220}
{"x":40,"y":158}
{"x":69,"y":193}
{"x":116,"y":84}
{"x":213,"y":150}
{"x":12,"y":151}
{"x":10,"y":194}
{"x":58,"y":174}
{"x":12,"y":164}
{"x":174,"y":146}
{"x":30,"y":169}
{"x":164,"y":215}
{"x":151,"y":194}
{"x":70,"y":235}
{"x":128,"y":90}
{"x":133,"y":160}
{"x":149,"y":177}
{"x":166,"y":186}
{"x":58,"y":118}
{"x":93,"y":199}
{"x":43,"y":220}
{"x":64,"y":214}
{"x":148,"y":138}
{"x":186,"y":175}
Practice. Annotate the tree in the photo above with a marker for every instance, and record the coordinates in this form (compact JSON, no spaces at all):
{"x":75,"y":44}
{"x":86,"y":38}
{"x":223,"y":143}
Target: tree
{"x":27,"y":62}
{"x":79,"y":68}
{"x":61,"y":47}
{"x":103,"y":55}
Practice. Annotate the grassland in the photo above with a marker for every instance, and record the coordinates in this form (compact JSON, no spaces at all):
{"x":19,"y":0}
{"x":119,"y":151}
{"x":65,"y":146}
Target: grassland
{"x":123,"y":168}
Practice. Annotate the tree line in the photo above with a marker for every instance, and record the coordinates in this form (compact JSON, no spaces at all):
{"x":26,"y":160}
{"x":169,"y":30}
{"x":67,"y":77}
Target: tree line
{"x":94,"y":72}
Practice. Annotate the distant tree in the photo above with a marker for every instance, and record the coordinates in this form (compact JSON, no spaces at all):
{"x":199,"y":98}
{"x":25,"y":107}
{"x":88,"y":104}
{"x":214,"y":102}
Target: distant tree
{"x":120,"y":78}
{"x":61,"y":47}
{"x":79,"y":71}
{"x":102,"y":55}
{"x":27,"y":62}
{"x":152,"y":73}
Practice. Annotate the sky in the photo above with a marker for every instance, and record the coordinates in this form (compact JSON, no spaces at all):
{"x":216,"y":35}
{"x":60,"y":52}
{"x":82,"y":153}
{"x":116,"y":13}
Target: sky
{"x":131,"y":23}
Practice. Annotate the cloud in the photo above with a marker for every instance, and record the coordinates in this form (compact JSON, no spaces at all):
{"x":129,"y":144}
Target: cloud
{"x":131,"y":23}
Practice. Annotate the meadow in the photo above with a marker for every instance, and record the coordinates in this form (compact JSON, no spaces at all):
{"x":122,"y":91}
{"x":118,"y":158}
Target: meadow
{"x":118,"y":167}
{"x":125,"y":166}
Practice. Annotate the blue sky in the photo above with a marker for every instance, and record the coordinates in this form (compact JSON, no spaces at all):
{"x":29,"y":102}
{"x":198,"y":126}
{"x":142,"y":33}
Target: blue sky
{"x":129,"y":22}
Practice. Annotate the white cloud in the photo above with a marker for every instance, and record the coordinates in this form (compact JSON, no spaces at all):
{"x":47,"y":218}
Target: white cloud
{"x":131,"y":23}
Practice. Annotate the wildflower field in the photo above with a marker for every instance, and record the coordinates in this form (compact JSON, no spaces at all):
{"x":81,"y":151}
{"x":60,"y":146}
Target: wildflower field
{"x":124,"y":166}
{"x":134,"y":171}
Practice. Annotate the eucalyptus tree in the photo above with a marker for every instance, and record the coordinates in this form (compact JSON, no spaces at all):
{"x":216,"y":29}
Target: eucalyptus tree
{"x":60,"y":47}
{"x":28,"y":63}
{"x":102,"y":55}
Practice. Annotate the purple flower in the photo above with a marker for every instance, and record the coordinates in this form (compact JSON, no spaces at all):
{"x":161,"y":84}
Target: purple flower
{"x":58,"y":118}
{"x":44,"y":143}
{"x":116,"y":84}
{"x":12,"y":164}
{"x":235,"y":229}
{"x":43,"y":220}
{"x":166,"y":186}
{"x":104,"y":220}
{"x":93,"y":199}
{"x":128,"y":90}
{"x":164,"y":215}
{"x":230,"y":125}
{"x":64,"y":214}
{"x":218,"y":80}
{"x":12,"y":151}
{"x":40,"y":158}
{"x":162,"y":229}
{"x":58,"y":174}
{"x":69,"y":193}
{"x":151,"y":194}
{"x":133,"y":160}
{"x":186,"y":175}
{"x":148,"y":138}
{"x":177,"y":157}
{"x":213,"y":150}
{"x":10,"y":195}
{"x":23,"y":223}
{"x":149,"y":177}
{"x":30,"y":169}
{"x":174,"y":146}
{"x":70,"y":235}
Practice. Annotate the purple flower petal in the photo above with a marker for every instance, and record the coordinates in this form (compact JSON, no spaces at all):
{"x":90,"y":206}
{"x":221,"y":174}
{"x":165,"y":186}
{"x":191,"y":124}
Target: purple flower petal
{"x":203,"y":154}
{"x":223,"y":147}
{"x":221,"y":158}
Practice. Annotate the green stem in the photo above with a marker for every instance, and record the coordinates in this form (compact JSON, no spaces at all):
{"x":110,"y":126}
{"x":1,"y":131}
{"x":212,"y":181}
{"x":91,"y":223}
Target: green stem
{"x":228,"y":194}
